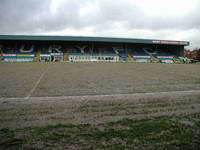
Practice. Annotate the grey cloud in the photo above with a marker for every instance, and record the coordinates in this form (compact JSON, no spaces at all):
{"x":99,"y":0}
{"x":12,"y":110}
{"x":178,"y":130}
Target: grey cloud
{"x":15,"y":15}
{"x":139,"y":19}
{"x":35,"y":16}
{"x":32,"y":15}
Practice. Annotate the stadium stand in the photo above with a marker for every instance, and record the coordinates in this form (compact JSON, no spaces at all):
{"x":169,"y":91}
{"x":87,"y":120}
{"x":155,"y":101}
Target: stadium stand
{"x":69,"y":48}
{"x":140,"y":55}
{"x":160,"y":56}
{"x":165,"y":57}
{"x":121,"y":53}
{"x":102,"y":54}
{"x":27,"y":49}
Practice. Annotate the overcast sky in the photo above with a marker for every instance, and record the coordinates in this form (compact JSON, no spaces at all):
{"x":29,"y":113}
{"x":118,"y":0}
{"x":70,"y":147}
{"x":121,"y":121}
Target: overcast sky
{"x":154,"y":19}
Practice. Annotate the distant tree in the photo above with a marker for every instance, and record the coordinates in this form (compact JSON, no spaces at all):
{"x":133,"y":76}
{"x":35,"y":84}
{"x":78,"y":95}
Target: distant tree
{"x":196,"y":49}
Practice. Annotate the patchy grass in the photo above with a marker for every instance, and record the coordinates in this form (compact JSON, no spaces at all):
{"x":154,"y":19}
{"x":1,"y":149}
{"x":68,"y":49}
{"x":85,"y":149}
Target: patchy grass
{"x":154,"y":133}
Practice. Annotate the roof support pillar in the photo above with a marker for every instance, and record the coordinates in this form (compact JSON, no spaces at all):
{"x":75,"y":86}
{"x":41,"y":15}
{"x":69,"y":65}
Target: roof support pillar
{"x":92,"y":47}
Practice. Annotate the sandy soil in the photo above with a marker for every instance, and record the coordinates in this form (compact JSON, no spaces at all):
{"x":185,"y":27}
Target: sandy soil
{"x":19,"y":113}
{"x":34,"y":94}
{"x":49,"y":96}
{"x":72,"y":79}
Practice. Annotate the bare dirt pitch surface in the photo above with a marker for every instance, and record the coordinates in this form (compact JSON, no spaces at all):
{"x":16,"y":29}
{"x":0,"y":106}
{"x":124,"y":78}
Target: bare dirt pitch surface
{"x":68,"y":79}
{"x":134,"y":121}
{"x":93,"y":106}
{"x":20,"y":113}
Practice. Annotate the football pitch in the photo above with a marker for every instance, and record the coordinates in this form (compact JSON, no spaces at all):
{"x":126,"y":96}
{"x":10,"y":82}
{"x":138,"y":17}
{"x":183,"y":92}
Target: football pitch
{"x":73,"y":79}
{"x":99,"y":106}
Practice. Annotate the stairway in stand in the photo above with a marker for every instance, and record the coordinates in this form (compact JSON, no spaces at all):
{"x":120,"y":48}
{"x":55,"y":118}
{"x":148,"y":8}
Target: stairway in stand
{"x":130,"y":58}
{"x":66,"y":57}
{"x":37,"y":57}
{"x":154,"y":59}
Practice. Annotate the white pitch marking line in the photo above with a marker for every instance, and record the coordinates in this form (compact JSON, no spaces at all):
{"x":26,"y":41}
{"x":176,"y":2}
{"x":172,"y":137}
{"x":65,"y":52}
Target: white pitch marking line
{"x":36,"y":84}
{"x":94,"y":96}
{"x":116,"y":95}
